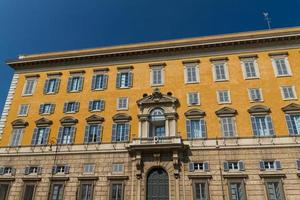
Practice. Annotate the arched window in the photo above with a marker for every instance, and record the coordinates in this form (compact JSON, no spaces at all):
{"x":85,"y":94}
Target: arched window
{"x":157,"y":115}
{"x":157,"y":123}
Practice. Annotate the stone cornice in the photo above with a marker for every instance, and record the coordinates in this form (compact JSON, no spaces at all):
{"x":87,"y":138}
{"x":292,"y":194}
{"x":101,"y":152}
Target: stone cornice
{"x":181,"y":45}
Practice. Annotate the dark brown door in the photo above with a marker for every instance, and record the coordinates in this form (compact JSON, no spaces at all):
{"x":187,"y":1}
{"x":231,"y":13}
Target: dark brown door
{"x":158,"y":185}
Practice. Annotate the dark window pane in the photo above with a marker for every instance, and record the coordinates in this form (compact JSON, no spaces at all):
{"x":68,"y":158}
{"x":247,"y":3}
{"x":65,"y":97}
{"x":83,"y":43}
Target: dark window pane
{"x":4,"y":189}
{"x":29,"y":192}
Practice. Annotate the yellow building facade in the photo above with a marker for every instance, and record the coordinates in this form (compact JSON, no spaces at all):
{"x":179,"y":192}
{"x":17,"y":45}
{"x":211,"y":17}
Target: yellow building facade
{"x":214,"y":117}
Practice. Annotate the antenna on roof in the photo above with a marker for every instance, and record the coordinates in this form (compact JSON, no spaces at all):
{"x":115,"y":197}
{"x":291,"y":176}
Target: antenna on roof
{"x":268,"y":19}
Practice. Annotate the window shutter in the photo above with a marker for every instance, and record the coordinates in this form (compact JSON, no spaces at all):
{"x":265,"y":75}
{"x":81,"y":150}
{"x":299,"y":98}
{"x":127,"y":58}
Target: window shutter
{"x":277,"y":164}
{"x":203,"y":128}
{"x":105,"y":79}
{"x":241,"y":165}
{"x":130,"y":79}
{"x":54,"y":169}
{"x":52,"y":108}
{"x":1,"y":170}
{"x":262,"y":165}
{"x":69,"y":87}
{"x":118,"y":81}
{"x":102,"y":104}
{"x":34,"y":136}
{"x":86,"y":135}
{"x":57,"y":84}
{"x":77,"y":106}
{"x":99,"y":133}
{"x":67,"y":169}
{"x":206,"y":166}
{"x":191,"y":167}
{"x":289,"y":124}
{"x":188,"y":129}
{"x":298,"y":164}
{"x":226,"y":167}
{"x":72,"y":134}
{"x":81,"y":81}
{"x":46,"y":136}
{"x":39,"y":170}
{"x":46,"y":86}
{"x":65,"y":107}
{"x":60,"y":135}
{"x":127,"y":131}
{"x":26,"y":172}
{"x":94,"y":82}
{"x":270,"y":125}
{"x":254,"y":127}
{"x":114,"y":133}
{"x":91,"y":105}
{"x":41,"y":109}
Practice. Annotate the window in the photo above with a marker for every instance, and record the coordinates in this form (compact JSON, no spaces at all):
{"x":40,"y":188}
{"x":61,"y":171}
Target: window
{"x":86,"y":190}
{"x":116,"y":191}
{"x":23,"y":110}
{"x":120,"y":132}
{"x":16,"y":137}
{"x":236,"y":190}
{"x":200,"y":190}
{"x":57,"y":191}
{"x":250,"y":69}
{"x":124,"y":79}
{"x":88,"y":168}
{"x":60,"y":169}
{"x":157,"y":76}
{"x":223,"y":96}
{"x":293,"y":123}
{"x":288,"y":92}
{"x":117,"y":168}
{"x":195,"y":128}
{"x":193,"y":98}
{"x":29,"y":86}
{"x":46,"y":108}
{"x":51,"y":85}
{"x":228,"y":126}
{"x":71,"y":107}
{"x":255,"y":94}
{"x":75,"y":83}
{"x":274,"y":189}
{"x":281,"y":66}
{"x":262,"y":125}
{"x":33,"y":170}
{"x":29,"y":191}
{"x":220,"y":71}
{"x":122,"y":103}
{"x":4,"y":190}
{"x":191,"y":73}
{"x":93,"y":133}
{"x":270,"y":165}
{"x":66,"y":135}
{"x":198,"y":166}
{"x":234,"y":166}
{"x":7,"y":170}
{"x":40,"y":136}
{"x":96,"y":105}
{"x":99,"y":82}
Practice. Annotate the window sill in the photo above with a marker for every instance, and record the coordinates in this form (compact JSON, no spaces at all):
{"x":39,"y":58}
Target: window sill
{"x":272,"y":175}
{"x":122,"y":109}
{"x":93,"y":111}
{"x":77,"y":91}
{"x":122,"y":88}
{"x":225,"y":80}
{"x":188,"y":83}
{"x":235,"y":175}
{"x":157,"y":85}
{"x":191,"y":105}
{"x":282,"y":76}
{"x":290,"y":99}
{"x":258,"y":101}
{"x":27,"y":95}
{"x":50,"y":93}
{"x":222,"y":103}
{"x":252,"y":78}
{"x":99,"y":89}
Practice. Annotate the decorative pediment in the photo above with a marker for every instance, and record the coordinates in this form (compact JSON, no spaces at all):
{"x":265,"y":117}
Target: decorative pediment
{"x":157,"y":98}
{"x":194,"y":113}
{"x":259,"y":109}
{"x":226,"y":111}
{"x":43,"y":122}
{"x":121,"y":117}
{"x":94,"y":119}
{"x":291,"y":108}
{"x":19,"y":123}
{"x":68,"y":121}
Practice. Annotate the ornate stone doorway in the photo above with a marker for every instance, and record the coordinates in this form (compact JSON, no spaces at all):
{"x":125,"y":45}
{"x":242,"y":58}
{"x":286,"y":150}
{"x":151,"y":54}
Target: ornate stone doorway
{"x":158,"y":185}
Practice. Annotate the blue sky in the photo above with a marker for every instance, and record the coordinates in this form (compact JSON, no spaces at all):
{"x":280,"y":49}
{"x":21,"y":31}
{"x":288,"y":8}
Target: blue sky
{"x":34,"y":26}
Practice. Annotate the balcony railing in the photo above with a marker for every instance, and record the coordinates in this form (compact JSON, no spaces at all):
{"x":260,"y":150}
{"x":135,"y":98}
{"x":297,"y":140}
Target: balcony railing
{"x":157,"y":140}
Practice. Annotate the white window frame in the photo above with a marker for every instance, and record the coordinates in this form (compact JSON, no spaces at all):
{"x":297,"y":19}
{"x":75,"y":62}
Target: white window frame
{"x":287,"y":64}
{"x":20,"y":108}
{"x":20,"y":138}
{"x":88,"y":168}
{"x":225,"y":69}
{"x":234,"y":127}
{"x":33,"y":87}
{"x":218,"y":97}
{"x":127,"y":102}
{"x":188,"y":99}
{"x":260,"y":92}
{"x":162,"y":69}
{"x":118,"y":168}
{"x":191,"y":65}
{"x":293,"y":89}
{"x":256,"y":68}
